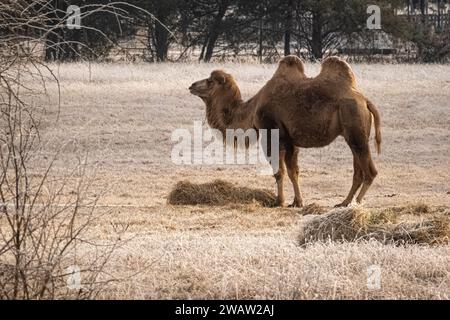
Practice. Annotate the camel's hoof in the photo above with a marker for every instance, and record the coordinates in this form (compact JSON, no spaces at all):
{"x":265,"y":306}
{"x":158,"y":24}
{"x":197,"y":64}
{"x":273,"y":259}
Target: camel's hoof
{"x":342,"y":205}
{"x":279,"y":203}
{"x":295,"y":204}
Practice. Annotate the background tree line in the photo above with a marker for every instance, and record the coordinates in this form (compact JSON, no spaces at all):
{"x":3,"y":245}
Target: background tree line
{"x":262,"y":29}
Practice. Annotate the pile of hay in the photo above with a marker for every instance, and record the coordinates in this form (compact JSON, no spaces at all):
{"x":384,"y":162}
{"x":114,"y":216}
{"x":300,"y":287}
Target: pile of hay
{"x":218,"y":193}
{"x":353,"y":224}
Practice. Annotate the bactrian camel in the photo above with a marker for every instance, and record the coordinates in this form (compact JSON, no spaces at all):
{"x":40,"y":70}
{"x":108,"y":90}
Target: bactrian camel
{"x":309,"y":113}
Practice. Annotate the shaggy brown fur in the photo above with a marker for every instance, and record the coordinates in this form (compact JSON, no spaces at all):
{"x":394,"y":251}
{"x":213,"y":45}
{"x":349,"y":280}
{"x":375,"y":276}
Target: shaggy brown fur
{"x":309,"y":113}
{"x":290,"y":70}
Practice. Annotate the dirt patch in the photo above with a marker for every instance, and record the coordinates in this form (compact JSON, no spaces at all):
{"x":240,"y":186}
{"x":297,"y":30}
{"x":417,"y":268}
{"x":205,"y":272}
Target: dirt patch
{"x":218,"y":193}
{"x":353,"y":224}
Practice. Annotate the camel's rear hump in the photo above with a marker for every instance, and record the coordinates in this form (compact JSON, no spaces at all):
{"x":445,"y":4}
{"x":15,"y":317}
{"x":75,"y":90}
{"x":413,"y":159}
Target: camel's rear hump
{"x":339,"y":71}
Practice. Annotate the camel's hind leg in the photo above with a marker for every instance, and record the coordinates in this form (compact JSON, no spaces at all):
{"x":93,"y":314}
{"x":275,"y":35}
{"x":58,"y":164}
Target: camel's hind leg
{"x":357,"y":182}
{"x":364,"y":169}
{"x":370,"y":172}
{"x":356,"y":131}
{"x":291,"y":160}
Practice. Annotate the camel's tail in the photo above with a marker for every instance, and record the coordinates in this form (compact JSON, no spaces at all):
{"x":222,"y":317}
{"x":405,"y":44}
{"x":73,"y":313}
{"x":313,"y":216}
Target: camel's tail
{"x":377,"y":121}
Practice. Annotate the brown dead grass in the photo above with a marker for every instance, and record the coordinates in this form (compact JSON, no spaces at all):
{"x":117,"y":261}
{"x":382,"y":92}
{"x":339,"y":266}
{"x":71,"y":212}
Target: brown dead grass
{"x":418,"y":208}
{"x":312,"y":208}
{"x":353,"y":224}
{"x":123,"y":120}
{"x":218,"y":193}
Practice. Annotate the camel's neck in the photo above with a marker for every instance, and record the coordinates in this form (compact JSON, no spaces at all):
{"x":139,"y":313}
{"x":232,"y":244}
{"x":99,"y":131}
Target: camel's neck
{"x":229,"y":111}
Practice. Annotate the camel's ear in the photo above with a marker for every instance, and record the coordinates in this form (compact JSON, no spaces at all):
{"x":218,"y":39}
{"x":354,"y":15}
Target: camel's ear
{"x":219,"y":77}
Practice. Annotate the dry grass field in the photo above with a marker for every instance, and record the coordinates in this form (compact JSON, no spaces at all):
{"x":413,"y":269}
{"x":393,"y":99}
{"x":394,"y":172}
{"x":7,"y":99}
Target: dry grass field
{"x":123,"y":118}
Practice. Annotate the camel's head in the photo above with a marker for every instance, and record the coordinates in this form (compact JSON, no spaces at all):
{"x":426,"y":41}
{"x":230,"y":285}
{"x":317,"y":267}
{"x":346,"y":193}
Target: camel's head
{"x":207,"y":88}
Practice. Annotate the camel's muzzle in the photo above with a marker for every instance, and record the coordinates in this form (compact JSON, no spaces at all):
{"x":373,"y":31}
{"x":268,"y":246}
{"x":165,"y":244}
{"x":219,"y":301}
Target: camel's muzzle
{"x":198,"y":88}
{"x":192,"y":89}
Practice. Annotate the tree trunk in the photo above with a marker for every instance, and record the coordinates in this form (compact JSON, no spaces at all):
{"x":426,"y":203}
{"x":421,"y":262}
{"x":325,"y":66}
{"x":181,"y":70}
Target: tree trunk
{"x":288,"y":29}
{"x":51,"y":49}
{"x":210,"y":45}
{"x":408,"y":9}
{"x":316,"y":37}
{"x":215,"y":30}
{"x":260,"y":40}
{"x":54,"y":39}
{"x":439,"y":14}
{"x":63,"y":45}
{"x":202,"y":53}
{"x":161,"y":40}
{"x":424,"y":11}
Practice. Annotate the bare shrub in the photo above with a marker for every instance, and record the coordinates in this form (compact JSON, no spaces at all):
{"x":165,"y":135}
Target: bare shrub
{"x":43,"y":219}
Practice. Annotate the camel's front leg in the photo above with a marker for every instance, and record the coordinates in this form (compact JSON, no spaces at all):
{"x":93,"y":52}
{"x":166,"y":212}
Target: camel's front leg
{"x":279,"y":177}
{"x":291,"y":160}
